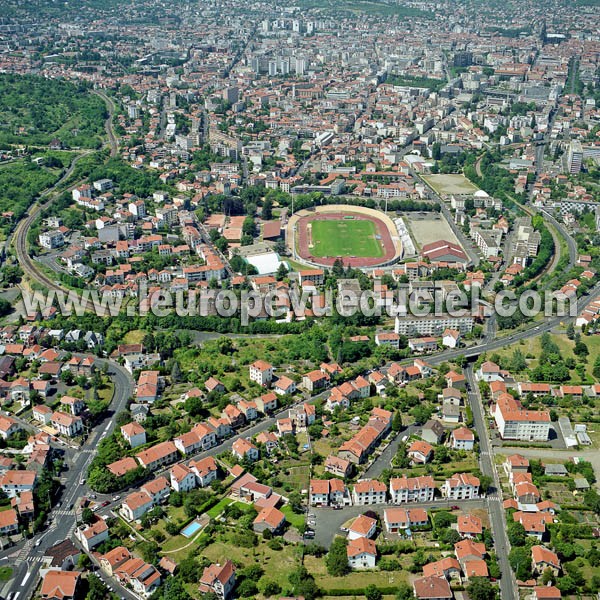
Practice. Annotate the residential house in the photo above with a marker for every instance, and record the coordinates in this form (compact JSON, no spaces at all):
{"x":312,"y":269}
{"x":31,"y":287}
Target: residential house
{"x":261,"y":372}
{"x":362,"y":526}
{"x":269,"y":518}
{"x":369,"y":491}
{"x":398,"y":519}
{"x":243,"y":448}
{"x":158,"y":455}
{"x":92,"y":535}
{"x":134,"y":434}
{"x":412,"y":489}
{"x":60,"y":585}
{"x":362,"y":553}
{"x":462,"y":439}
{"x":205,"y":469}
{"x":461,"y":486}
{"x":218,"y":579}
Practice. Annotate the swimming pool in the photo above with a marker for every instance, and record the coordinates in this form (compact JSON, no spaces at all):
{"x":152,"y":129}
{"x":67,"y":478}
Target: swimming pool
{"x":191,"y":529}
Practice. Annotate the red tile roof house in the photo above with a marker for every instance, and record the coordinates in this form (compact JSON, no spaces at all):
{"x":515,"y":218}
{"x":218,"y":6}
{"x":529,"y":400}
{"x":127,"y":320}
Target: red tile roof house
{"x":60,"y":585}
{"x":432,"y":588}
{"x":469,"y":526}
{"x":542,"y":559}
{"x":134,"y":434}
{"x":315,"y":380}
{"x":362,"y":526}
{"x":182,"y":478}
{"x":338,"y":466}
{"x":420,"y":452}
{"x":92,"y":535}
{"x":397,"y":519}
{"x":205,"y":469}
{"x":461,"y":486}
{"x":9,"y":522}
{"x":158,"y":455}
{"x":271,"y":519}
{"x":242,"y":448}
{"x":362,"y":553}
{"x":261,"y":372}
{"x":447,"y":567}
{"x":545,"y":592}
{"x":412,"y":489}
{"x":469,"y":550}
{"x":268,"y":402}
{"x":369,"y":491}
{"x":219,"y":579}
{"x":123,"y":466}
{"x":113,"y":559}
{"x":143,"y":577}
{"x":462,"y":439}
{"x":136,"y":505}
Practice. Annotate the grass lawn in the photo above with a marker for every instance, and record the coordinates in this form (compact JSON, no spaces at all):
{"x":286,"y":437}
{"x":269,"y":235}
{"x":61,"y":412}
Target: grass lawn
{"x":136,"y":336}
{"x":293,"y":518}
{"x":5,"y":573}
{"x":278,"y":564}
{"x":357,"y":580}
{"x":450,"y":184}
{"x":345,"y":237}
{"x":218,"y":508}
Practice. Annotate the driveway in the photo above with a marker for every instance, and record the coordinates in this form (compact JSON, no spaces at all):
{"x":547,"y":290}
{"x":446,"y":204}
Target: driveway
{"x":329,"y":521}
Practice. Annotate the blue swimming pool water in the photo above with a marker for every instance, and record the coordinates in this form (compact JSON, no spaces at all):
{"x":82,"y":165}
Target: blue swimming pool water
{"x":191,"y":529}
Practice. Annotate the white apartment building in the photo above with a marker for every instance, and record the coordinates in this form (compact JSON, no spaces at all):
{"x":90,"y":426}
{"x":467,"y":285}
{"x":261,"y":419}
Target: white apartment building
{"x":412,"y":489}
{"x":515,"y":423}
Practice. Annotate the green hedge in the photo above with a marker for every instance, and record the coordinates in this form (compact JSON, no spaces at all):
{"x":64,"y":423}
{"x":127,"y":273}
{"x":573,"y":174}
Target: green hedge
{"x":386,"y":591}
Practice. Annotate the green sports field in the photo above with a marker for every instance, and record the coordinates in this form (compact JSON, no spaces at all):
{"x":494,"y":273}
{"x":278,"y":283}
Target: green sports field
{"x":345,"y":237}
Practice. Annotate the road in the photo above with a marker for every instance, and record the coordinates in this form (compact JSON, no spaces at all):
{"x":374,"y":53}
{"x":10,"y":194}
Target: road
{"x":383,"y":461}
{"x":108,"y":124}
{"x":508,"y":586}
{"x":26,"y":559}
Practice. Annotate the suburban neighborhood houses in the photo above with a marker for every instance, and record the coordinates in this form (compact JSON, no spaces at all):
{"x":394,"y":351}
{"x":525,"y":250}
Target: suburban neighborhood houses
{"x":299,"y":301}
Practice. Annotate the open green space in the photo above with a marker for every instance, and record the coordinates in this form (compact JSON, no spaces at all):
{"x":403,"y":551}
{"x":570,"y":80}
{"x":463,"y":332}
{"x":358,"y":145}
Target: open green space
{"x":345,"y":237}
{"x":35,"y":111}
{"x":448,"y":184}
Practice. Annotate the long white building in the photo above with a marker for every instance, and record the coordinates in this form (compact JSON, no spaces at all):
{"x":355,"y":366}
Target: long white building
{"x":515,"y":423}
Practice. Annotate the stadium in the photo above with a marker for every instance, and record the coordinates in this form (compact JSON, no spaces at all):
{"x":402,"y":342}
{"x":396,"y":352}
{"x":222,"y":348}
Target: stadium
{"x":361,"y":237}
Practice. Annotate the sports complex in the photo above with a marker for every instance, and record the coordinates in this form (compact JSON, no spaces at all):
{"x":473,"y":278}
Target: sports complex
{"x":361,"y":237}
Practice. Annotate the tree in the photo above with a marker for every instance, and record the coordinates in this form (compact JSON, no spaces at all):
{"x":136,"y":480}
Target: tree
{"x":247,"y":588}
{"x":281,"y":272}
{"x":189,"y":570}
{"x":571,"y":331}
{"x":443,"y":520}
{"x":404,"y":592}
{"x":295,"y":502}
{"x":270,"y":588}
{"x":175,"y":372}
{"x":520,"y":562}
{"x":485,"y":481}
{"x":372,"y":592}
{"x":303,"y":584}
{"x":5,"y":307}
{"x":516,"y":534}
{"x":267,"y":209}
{"x":397,"y":421}
{"x":96,"y":588}
{"x":480,"y":588}
{"x":336,"y":560}
{"x":88,"y":516}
